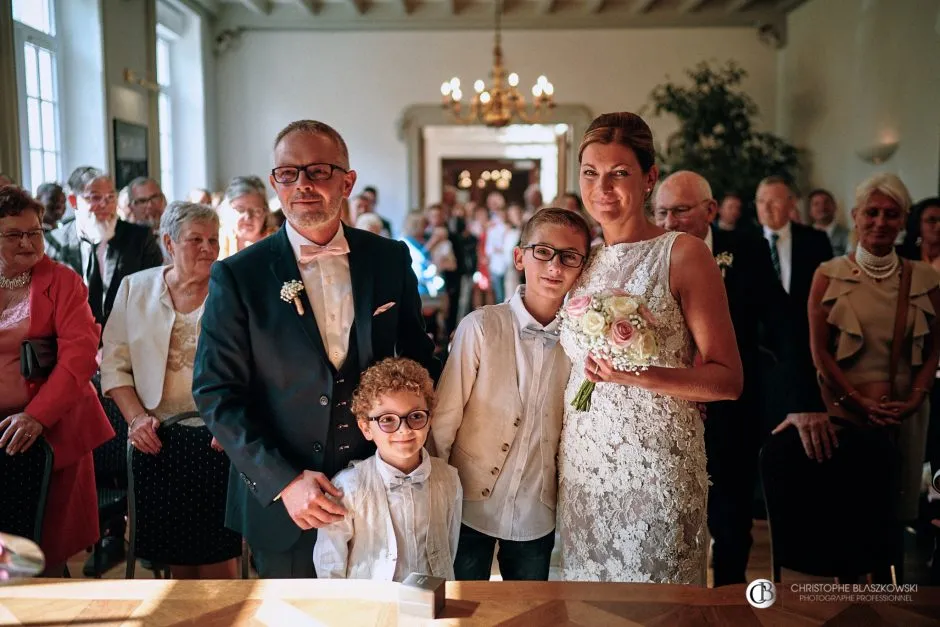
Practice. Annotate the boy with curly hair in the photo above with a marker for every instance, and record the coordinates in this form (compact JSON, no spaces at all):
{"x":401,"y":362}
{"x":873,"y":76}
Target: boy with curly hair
{"x":403,"y":505}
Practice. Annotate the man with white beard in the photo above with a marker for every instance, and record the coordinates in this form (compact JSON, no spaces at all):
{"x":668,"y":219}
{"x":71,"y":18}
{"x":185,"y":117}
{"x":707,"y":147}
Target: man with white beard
{"x":103,"y":250}
{"x":96,"y":244}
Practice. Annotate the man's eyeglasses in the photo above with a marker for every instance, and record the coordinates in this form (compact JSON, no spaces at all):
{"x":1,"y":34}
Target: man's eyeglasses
{"x":287,"y":174}
{"x":390,"y":423}
{"x":140,"y":202}
{"x":17,"y":236}
{"x":679,"y":212}
{"x":96,"y":199}
{"x":543,"y":252}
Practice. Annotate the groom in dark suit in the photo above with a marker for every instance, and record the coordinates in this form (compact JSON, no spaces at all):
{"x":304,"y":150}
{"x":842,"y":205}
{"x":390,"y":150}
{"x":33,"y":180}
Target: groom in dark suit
{"x":759,"y":306}
{"x":289,"y":325}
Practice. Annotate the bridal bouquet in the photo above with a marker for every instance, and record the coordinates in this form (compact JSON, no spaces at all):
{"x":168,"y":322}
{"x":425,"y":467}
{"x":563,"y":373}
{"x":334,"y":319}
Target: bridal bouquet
{"x":612,"y":325}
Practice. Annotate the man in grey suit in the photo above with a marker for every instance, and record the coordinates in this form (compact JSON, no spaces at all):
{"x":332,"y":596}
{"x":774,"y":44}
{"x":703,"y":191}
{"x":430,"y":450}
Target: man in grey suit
{"x":822,"y":211}
{"x":290,"y":323}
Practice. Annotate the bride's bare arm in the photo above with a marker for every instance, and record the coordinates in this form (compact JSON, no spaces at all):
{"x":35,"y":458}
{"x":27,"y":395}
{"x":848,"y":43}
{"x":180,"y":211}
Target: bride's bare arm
{"x":697,"y":284}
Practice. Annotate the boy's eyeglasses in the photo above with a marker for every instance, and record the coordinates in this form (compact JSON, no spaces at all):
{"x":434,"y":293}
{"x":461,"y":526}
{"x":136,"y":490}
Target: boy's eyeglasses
{"x":390,"y":423}
{"x":543,"y":252}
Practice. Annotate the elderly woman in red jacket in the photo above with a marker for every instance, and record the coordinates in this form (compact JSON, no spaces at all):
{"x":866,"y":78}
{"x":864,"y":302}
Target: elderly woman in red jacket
{"x":42,"y":299}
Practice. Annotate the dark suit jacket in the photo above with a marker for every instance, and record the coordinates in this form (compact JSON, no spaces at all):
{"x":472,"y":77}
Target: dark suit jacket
{"x":262,"y":379}
{"x":132,"y":249}
{"x":757,"y":301}
{"x":810,"y":248}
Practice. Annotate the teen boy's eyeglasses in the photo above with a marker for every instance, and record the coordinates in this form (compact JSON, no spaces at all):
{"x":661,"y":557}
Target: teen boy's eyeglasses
{"x":390,"y":423}
{"x":568,"y":258}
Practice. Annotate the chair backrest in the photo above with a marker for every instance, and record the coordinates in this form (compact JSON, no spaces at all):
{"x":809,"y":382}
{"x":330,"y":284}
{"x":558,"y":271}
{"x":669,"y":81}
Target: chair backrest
{"x":833,"y":518}
{"x":111,"y":457}
{"x":24,"y":490}
{"x":185,"y":462}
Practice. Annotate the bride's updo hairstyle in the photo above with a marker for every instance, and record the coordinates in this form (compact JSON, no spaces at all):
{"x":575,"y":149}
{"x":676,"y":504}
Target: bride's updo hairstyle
{"x":624,"y":128}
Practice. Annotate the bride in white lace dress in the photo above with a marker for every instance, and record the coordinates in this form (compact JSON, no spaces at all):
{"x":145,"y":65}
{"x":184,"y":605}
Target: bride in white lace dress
{"x":632,"y":480}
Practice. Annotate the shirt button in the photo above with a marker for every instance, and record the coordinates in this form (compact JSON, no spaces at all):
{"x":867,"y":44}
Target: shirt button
{"x":517,"y":422}
{"x":486,"y":491}
{"x":504,"y":447}
{"x":495,"y":471}
{"x":324,"y":400}
{"x":317,"y":447}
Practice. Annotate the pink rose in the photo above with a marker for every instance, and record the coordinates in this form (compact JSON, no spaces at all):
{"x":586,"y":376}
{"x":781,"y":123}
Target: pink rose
{"x":621,"y":333}
{"x":647,"y":315}
{"x":578,"y":306}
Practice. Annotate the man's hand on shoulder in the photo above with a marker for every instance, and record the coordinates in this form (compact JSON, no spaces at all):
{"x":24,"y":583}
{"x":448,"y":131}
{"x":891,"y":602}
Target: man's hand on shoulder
{"x":307,"y":503}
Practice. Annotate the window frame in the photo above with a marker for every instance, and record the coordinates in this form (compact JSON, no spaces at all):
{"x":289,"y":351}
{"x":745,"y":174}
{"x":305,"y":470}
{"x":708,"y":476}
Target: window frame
{"x":24,"y":34}
{"x":166,"y":37}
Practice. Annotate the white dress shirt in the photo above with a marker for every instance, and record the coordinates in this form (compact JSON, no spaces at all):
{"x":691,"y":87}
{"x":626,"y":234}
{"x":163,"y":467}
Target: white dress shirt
{"x":397,"y":525}
{"x":710,"y":240}
{"x":85,"y":246}
{"x":495,"y":248}
{"x":409,"y":505}
{"x":784,"y":252}
{"x":514,"y":510}
{"x":329,"y":290}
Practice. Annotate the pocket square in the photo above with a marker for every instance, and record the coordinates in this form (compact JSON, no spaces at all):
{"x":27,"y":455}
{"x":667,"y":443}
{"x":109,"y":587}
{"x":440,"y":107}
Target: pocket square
{"x":383,"y":308}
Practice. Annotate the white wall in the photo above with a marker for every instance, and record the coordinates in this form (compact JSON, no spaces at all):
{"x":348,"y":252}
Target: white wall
{"x":858,"y":71}
{"x":360,"y":82}
{"x":83,"y":114}
{"x":188,"y":103}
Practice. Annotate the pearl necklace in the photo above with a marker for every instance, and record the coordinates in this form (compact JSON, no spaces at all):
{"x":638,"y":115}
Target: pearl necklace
{"x":878,"y":268}
{"x":20,"y":280}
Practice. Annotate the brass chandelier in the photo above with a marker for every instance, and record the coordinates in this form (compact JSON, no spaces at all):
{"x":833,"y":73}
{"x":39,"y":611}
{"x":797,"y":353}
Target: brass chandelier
{"x":499,"y":104}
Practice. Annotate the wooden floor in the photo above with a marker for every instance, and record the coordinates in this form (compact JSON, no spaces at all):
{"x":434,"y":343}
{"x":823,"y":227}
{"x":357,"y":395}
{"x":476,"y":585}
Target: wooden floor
{"x":758,"y":567}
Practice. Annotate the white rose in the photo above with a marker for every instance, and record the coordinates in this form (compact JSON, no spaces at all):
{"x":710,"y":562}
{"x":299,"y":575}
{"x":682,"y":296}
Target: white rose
{"x":621,"y":306}
{"x":593,"y":323}
{"x":646,"y":346}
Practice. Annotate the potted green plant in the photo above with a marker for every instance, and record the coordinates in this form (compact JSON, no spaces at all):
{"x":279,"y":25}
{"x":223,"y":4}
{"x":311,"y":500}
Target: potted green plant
{"x":716,"y":135}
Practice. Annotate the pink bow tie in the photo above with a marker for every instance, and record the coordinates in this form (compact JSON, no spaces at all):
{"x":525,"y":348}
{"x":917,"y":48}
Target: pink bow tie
{"x":311,"y":252}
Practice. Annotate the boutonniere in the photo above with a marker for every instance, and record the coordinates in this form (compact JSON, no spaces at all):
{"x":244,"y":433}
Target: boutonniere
{"x":290,"y":292}
{"x":724,"y":260}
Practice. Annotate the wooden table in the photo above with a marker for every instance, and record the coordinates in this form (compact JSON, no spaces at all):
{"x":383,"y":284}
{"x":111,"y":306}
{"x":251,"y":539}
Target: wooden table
{"x":303,"y":603}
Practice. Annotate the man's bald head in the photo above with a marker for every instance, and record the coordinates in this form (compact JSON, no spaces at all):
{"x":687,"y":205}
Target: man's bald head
{"x":684,"y":202}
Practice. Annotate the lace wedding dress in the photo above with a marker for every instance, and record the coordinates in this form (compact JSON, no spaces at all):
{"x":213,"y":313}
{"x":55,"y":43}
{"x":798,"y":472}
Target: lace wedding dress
{"x":632,"y":480}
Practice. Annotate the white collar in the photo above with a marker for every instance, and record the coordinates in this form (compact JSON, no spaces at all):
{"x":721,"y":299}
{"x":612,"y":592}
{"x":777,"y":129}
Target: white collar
{"x":390,"y":474}
{"x":297,"y":240}
{"x":710,"y":240}
{"x":522,"y":315}
{"x":782,"y":233}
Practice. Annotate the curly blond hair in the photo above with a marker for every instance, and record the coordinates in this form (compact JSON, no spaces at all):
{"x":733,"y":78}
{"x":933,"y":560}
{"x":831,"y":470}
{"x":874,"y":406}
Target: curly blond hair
{"x":391,"y":375}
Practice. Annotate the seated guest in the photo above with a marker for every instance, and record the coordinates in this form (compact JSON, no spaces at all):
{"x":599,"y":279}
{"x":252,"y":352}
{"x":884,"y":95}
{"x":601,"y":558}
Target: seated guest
{"x":874,"y":396}
{"x":146,"y":201}
{"x":200,"y":196}
{"x":147,"y":368}
{"x":243,"y":215}
{"x":403,"y":505}
{"x":822,"y":211}
{"x":101,"y":248}
{"x":370,"y":222}
{"x":365,"y":203}
{"x":42,"y":299}
{"x":52,"y":197}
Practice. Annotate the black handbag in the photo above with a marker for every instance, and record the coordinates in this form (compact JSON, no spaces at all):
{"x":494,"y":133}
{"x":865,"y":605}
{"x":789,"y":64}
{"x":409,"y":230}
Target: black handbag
{"x":37,"y":358}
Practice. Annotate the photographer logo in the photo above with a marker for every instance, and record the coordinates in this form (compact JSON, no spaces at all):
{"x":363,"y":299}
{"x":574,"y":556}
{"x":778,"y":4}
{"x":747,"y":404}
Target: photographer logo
{"x":761,"y":593}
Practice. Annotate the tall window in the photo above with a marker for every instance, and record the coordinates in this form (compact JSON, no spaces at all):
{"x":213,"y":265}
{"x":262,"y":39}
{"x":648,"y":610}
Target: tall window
{"x":38,"y":90}
{"x":165,"y":109}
